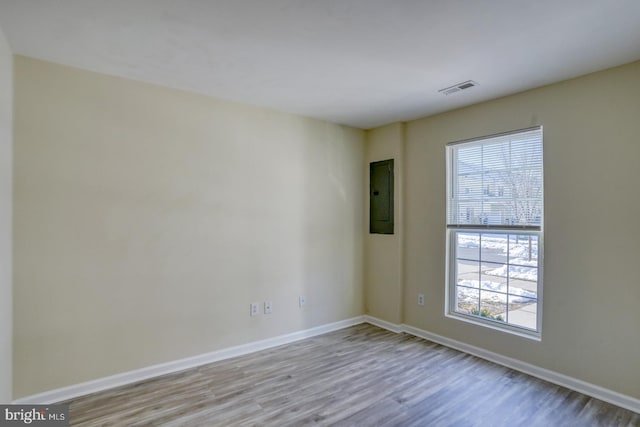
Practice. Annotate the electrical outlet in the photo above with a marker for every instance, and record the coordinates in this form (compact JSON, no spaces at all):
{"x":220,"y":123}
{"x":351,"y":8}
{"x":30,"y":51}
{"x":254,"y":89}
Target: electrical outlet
{"x":420,"y":299}
{"x":254,"y":309}
{"x":302,"y":300}
{"x":267,"y":307}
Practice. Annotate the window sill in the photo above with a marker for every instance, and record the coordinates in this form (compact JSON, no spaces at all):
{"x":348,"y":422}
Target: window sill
{"x":513,"y":330}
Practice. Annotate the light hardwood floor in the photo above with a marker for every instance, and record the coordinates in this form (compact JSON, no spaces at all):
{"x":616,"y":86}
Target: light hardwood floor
{"x":359,"y":376}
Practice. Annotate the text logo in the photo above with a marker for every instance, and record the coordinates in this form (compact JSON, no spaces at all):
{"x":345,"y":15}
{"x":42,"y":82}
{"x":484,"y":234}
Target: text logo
{"x":34,"y":415}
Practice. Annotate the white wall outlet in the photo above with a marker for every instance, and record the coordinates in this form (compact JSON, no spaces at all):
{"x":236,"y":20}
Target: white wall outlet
{"x":302,"y":300}
{"x":253,"y":309}
{"x":267,"y":307}
{"x":420,"y":299}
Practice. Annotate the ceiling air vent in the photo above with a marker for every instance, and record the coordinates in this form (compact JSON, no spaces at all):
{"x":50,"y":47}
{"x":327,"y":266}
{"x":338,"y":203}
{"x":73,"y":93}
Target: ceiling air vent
{"x":457,"y":88}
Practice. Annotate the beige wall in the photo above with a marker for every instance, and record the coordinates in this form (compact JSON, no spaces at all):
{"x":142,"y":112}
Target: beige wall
{"x":147,"y":220}
{"x":592,"y":227}
{"x":383,"y":254}
{"x":6,"y":160}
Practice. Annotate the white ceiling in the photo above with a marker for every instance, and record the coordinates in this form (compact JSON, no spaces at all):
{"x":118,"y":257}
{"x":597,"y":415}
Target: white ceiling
{"x":358,"y":62}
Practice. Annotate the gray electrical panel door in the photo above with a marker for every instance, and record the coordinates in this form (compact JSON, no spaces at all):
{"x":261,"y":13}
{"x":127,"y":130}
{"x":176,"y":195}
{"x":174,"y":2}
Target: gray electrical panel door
{"x":381,"y":197}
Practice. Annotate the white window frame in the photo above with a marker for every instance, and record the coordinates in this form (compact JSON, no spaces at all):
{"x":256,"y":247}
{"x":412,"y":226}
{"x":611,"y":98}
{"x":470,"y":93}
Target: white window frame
{"x":451,"y":257}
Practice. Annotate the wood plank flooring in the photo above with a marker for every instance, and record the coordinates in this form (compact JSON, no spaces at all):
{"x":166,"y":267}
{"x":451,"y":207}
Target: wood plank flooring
{"x":359,"y":376}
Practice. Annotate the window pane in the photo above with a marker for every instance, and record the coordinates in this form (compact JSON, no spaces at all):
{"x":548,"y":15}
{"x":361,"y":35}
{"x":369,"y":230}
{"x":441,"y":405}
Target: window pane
{"x":470,"y":186}
{"x":468,"y":246}
{"x":493,"y":305}
{"x":493,"y":247}
{"x":468,"y":273}
{"x":494,"y":277}
{"x":523,"y":288}
{"x":467,"y":300}
{"x":523,"y":248}
{"x":522,"y":312}
{"x":495,"y":272}
{"x":519,"y":272}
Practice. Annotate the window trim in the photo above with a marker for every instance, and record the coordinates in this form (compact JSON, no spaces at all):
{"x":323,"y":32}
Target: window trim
{"x":451,"y":230}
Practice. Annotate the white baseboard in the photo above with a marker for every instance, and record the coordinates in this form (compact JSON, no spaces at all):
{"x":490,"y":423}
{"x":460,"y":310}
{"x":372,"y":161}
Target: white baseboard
{"x":575,"y":384}
{"x":66,"y":393}
{"x":383,"y":324}
{"x":117,"y":380}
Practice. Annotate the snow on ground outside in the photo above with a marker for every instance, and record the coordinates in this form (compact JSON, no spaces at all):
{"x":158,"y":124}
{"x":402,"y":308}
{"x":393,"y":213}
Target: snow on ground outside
{"x":499,"y":242}
{"x":516,"y":254}
{"x":468,"y":292}
{"x":519,"y":268}
{"x":517,"y":271}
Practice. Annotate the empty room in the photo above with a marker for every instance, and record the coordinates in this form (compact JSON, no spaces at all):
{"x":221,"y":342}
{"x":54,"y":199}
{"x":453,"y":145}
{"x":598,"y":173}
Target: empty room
{"x":315,"y":213}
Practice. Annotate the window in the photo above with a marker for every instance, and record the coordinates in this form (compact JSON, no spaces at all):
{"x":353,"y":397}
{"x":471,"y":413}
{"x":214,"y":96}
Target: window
{"x":494,"y":228}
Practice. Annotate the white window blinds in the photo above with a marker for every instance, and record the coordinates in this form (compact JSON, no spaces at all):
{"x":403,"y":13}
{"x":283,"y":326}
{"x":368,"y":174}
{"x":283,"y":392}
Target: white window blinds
{"x":496,"y":181}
